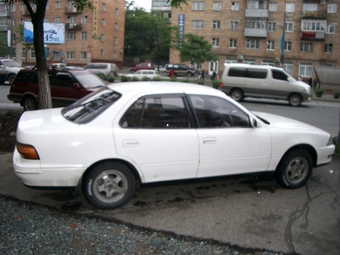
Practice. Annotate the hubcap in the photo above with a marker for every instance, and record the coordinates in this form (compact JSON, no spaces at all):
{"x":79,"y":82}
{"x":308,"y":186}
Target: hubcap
{"x":297,"y":170}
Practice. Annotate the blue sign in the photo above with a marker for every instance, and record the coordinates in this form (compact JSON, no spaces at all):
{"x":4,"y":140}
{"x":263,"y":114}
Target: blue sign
{"x":181,"y":26}
{"x":54,"y":33}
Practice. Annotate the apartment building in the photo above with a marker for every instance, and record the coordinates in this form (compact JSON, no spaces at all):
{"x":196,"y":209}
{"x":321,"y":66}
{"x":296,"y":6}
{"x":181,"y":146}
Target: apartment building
{"x":90,"y":36}
{"x":251,"y":32}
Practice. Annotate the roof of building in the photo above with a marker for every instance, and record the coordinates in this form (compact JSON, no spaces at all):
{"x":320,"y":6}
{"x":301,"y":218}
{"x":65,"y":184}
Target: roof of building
{"x":328,"y":75}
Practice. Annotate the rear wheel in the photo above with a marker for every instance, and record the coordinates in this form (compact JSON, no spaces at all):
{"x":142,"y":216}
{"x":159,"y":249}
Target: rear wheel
{"x":30,"y":103}
{"x":109,"y":185}
{"x":189,"y":74}
{"x":295,"y":100}
{"x":236,"y":94}
{"x":295,"y":169}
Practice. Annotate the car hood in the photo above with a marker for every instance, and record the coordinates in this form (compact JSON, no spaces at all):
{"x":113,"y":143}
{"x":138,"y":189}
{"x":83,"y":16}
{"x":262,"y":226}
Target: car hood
{"x":43,"y":120}
{"x":12,"y":68}
{"x":285,"y":123}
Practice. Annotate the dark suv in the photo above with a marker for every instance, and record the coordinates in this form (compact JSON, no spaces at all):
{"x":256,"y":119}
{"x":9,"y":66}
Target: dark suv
{"x":67,"y":86}
{"x":182,"y":69}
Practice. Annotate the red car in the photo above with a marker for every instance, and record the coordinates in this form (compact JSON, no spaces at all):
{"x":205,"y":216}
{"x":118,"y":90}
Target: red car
{"x":67,"y":86}
{"x":140,"y":66}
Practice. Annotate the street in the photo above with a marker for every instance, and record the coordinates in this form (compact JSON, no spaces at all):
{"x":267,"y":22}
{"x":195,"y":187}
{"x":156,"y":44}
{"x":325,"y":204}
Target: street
{"x":246,"y":211}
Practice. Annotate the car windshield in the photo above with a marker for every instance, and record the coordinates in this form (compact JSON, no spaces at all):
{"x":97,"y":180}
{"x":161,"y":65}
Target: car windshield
{"x":90,"y":106}
{"x":11,"y":64}
{"x":88,"y":79}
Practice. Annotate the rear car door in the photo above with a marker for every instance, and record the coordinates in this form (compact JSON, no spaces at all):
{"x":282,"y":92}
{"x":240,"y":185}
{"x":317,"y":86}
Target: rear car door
{"x":156,"y":133}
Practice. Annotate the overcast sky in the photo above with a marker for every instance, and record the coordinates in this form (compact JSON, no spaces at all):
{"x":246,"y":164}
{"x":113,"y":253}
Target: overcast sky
{"x":146,"y":4}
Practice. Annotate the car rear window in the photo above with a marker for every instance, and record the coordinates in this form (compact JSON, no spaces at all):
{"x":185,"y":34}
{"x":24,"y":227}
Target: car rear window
{"x":90,"y":106}
{"x":255,"y":73}
{"x":24,"y":76}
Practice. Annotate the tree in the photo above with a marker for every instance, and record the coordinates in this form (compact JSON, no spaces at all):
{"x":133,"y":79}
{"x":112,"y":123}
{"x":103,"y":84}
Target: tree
{"x":196,"y":50}
{"x":4,"y":51}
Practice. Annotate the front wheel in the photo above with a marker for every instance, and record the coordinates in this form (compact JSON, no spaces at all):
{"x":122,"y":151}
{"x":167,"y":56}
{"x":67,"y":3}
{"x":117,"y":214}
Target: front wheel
{"x":109,"y":185}
{"x":295,"y":100}
{"x":236,"y":94}
{"x":295,"y":169}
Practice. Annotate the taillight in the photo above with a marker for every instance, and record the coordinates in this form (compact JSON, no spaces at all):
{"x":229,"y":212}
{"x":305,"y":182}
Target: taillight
{"x":27,"y":151}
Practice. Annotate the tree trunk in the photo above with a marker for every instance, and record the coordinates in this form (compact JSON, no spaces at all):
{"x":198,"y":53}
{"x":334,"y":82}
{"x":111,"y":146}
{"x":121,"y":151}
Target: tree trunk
{"x":45,"y":100}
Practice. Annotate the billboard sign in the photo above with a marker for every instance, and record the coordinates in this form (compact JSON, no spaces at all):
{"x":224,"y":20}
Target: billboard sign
{"x":54,"y":33}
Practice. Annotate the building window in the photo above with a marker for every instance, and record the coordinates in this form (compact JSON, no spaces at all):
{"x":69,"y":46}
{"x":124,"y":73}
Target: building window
{"x":331,"y":28}
{"x":273,"y":7}
{"x":104,"y":7}
{"x":328,"y":48}
{"x":215,"y":42}
{"x":288,"y":67}
{"x":270,"y":45}
{"x":46,"y":20}
{"x":332,"y":8}
{"x":256,"y":23}
{"x":290,"y":7}
{"x":235,"y":6}
{"x":32,"y":54}
{"x":313,"y":25}
{"x":70,"y":36}
{"x":13,"y":9}
{"x":102,"y":37}
{"x":252,"y":44}
{"x":197,"y":24}
{"x":57,"y":5}
{"x":22,"y":21}
{"x":115,"y":40}
{"x":216,"y":24}
{"x":70,"y":55}
{"x":271,"y":26}
{"x":57,"y":19}
{"x":47,"y":6}
{"x":23,"y":54}
{"x":83,"y":36}
{"x":103,"y":22}
{"x":197,"y":6}
{"x":311,"y":7}
{"x":289,"y":26}
{"x":116,"y":26}
{"x":115,"y":55}
{"x":83,"y":55}
{"x":116,"y":12}
{"x":21,"y":7}
{"x":305,"y":70}
{"x":217,"y":6}
{"x":267,"y":63}
{"x":306,"y":46}
{"x":232,"y":43}
{"x":233,"y":25}
{"x":83,"y":19}
{"x":101,"y":53}
{"x":288,"y":46}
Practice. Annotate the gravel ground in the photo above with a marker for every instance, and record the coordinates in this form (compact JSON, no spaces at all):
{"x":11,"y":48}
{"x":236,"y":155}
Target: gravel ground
{"x":32,"y":229}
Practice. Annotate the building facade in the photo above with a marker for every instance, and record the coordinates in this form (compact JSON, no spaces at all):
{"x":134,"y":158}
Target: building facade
{"x":90,"y":36}
{"x":252,"y":31}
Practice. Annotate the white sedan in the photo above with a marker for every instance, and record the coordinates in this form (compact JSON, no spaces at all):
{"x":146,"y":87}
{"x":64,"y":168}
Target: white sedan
{"x":144,"y":74}
{"x":130,"y":133}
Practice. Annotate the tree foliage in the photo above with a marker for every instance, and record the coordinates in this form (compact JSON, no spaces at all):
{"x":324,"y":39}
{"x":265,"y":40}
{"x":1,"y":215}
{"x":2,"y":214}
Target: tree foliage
{"x":196,"y":50}
{"x":4,"y":51}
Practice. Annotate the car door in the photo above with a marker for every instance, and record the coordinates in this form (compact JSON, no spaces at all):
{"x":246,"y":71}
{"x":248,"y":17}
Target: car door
{"x":156,"y":134}
{"x":228,"y":143}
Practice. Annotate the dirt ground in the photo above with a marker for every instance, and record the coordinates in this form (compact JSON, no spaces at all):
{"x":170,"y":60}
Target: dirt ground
{"x":8,"y":125}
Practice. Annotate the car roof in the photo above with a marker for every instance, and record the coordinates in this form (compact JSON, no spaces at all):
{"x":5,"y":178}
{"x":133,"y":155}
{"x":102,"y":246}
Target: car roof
{"x":155,"y":87}
{"x":252,"y":66}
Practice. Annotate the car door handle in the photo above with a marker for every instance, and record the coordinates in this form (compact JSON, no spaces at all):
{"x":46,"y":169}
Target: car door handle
{"x":209,"y":140}
{"x":130,"y":143}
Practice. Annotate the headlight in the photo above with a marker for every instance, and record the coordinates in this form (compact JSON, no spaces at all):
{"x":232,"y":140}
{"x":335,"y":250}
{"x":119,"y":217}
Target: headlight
{"x":330,"y":141}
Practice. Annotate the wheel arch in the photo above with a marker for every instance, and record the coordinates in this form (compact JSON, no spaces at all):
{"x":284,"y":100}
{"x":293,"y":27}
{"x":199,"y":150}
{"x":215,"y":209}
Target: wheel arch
{"x":23,"y":98}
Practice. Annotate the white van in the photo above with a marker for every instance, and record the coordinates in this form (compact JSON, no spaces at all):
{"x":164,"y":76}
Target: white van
{"x":243,"y":80}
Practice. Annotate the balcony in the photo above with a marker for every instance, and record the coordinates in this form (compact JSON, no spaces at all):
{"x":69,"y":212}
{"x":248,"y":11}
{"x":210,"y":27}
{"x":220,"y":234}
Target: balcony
{"x":255,"y":32}
{"x":3,"y":27}
{"x":256,"y":13}
{"x":72,"y":10}
{"x":315,"y":35}
{"x":73,"y":26}
{"x":4,"y":13}
{"x":314,"y":14}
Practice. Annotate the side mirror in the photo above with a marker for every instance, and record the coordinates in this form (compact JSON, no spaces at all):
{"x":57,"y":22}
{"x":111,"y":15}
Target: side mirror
{"x":76,"y":85}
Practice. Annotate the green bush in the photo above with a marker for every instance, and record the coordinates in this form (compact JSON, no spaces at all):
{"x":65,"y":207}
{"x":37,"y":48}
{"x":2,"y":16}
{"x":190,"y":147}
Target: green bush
{"x":337,"y":94}
{"x":135,"y":79}
{"x":319,"y":92}
{"x":101,"y":76}
{"x":110,"y":78}
{"x":200,"y":81}
{"x":144,"y":78}
{"x":156,"y":78}
{"x":185,"y":80}
{"x":124,"y":78}
{"x":216,"y":83}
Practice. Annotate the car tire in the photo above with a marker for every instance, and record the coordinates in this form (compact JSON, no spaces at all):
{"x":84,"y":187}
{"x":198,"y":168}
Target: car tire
{"x":11,"y":78}
{"x":30,"y":103}
{"x":236,"y":94}
{"x":189,"y":74}
{"x":295,"y":100}
{"x":109,"y":185}
{"x":294,"y":169}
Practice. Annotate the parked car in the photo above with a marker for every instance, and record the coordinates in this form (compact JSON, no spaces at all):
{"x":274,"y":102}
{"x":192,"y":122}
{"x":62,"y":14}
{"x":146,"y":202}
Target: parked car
{"x":8,"y":69}
{"x":67,"y":86}
{"x":142,"y":66}
{"x":160,"y":69}
{"x":105,"y":69}
{"x":182,"y":69}
{"x":141,"y":74}
{"x":243,"y":80}
{"x":128,"y":133}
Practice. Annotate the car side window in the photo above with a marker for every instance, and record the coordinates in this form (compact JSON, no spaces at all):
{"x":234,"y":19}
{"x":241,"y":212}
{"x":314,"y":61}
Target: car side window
{"x":157,"y":112}
{"x":216,"y":112}
{"x":64,"y":80}
{"x":24,"y":76}
{"x":278,"y":75}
